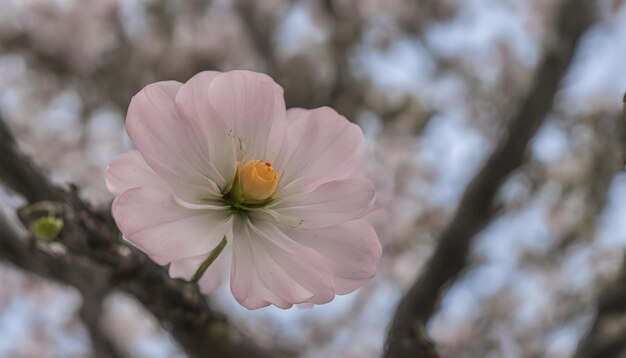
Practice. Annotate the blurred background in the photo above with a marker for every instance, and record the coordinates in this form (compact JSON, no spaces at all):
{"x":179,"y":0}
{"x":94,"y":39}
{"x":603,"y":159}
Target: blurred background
{"x":431,"y":83}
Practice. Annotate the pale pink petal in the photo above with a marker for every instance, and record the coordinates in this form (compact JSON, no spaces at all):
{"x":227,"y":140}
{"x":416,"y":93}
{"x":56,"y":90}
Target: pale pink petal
{"x":352,"y":250}
{"x":166,"y":231}
{"x":281,"y":272}
{"x":128,"y":171}
{"x":323,"y":145}
{"x":170,"y":143}
{"x":253,"y":107}
{"x":245,"y":283}
{"x":193,"y":97}
{"x":330,"y":204}
{"x":307,"y":267}
{"x":193,"y":101}
{"x":212,"y":277}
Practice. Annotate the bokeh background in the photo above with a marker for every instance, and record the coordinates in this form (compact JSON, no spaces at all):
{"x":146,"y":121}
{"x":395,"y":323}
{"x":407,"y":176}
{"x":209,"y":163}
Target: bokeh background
{"x":431,"y":83}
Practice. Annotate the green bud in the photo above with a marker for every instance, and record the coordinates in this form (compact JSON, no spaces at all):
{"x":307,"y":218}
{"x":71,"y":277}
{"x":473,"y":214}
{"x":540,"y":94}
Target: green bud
{"x":46,"y":228}
{"x":43,"y":219}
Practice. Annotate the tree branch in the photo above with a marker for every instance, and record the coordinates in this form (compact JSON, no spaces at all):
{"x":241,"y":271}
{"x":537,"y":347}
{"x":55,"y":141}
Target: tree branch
{"x":406,"y":334}
{"x":19,"y":173}
{"x":91,"y":315}
{"x":96,"y":261}
{"x":21,"y":253}
{"x":611,"y":306}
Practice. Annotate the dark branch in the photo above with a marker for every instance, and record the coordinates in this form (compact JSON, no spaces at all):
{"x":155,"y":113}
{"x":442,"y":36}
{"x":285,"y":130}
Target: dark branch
{"x":91,"y":314}
{"x":62,"y":268}
{"x":610,"y":347}
{"x":611,"y":306}
{"x":19,"y":173}
{"x":97,"y":262}
{"x":405,"y":337}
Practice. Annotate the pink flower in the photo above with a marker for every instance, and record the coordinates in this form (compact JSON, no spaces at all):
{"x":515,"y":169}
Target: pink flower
{"x":226,"y":180}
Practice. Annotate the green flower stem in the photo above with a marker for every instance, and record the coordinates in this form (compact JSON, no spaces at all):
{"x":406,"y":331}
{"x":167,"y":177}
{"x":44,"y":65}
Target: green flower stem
{"x":209,"y":260}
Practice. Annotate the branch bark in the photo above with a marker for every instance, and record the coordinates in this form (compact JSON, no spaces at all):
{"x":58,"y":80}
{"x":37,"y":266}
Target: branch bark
{"x":95,"y":260}
{"x":91,"y":315}
{"x":20,"y":252}
{"x":611,"y":307}
{"x":406,"y":337}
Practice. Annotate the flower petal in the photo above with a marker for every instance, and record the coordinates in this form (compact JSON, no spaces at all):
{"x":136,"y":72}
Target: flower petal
{"x":323,"y":145}
{"x":163,"y":229}
{"x":193,"y":101}
{"x":128,"y":171}
{"x":352,"y":250}
{"x":330,"y":204}
{"x":245,"y":284}
{"x":212,"y":277}
{"x":193,"y":97}
{"x":171,"y":143}
{"x":281,"y":272}
{"x":253,"y":107}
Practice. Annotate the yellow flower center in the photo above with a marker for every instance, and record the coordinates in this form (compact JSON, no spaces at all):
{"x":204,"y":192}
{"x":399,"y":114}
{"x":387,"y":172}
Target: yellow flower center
{"x":257,"y":179}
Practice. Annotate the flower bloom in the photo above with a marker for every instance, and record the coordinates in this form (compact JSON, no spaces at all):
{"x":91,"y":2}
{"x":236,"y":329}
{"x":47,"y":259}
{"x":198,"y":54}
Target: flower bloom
{"x":225,"y":180}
